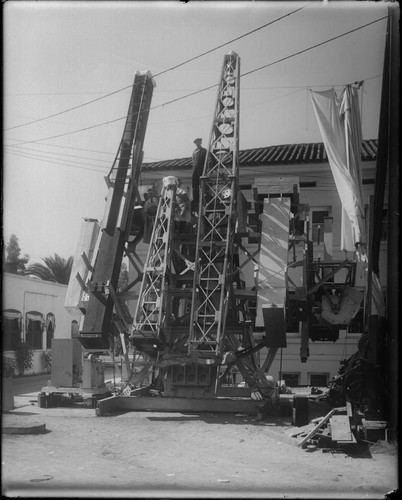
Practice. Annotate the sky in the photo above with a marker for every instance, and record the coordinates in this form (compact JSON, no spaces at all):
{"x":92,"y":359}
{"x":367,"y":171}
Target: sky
{"x":63,"y":55}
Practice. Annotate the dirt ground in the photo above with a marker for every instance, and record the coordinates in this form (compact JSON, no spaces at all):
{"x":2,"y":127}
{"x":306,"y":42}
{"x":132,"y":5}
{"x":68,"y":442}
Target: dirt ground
{"x":175,"y":455}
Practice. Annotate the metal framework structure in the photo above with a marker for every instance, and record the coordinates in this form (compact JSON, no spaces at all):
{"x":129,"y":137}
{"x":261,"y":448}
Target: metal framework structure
{"x":215,"y":238}
{"x":192,"y":315}
{"x":100,"y":291}
{"x":151,"y":307}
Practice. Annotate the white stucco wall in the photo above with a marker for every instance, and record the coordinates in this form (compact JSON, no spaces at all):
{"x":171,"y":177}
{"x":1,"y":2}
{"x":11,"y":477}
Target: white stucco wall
{"x":26,"y":294}
{"x":325,"y":357}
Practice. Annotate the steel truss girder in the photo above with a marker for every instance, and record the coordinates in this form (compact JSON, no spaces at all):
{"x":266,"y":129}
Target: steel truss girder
{"x":217,"y":218}
{"x":151,"y":305}
{"x":111,"y":246}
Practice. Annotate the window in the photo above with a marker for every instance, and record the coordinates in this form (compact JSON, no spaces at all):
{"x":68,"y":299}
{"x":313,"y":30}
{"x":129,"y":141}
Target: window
{"x":319,"y":379}
{"x":34,"y":327}
{"x":50,"y":326}
{"x":11,"y":328}
{"x":291,"y":379}
{"x":74,"y":329}
{"x":317,"y":223}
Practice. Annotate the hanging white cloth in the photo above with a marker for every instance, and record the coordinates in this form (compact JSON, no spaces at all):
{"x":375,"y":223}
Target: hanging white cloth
{"x":339,"y":122}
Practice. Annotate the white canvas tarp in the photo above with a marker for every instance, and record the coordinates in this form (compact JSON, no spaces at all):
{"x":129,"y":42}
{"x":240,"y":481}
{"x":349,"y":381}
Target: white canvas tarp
{"x":339,"y":122}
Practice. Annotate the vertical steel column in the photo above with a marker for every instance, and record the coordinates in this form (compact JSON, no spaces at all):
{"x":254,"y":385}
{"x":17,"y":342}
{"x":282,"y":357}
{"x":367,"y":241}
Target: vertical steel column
{"x":217,"y":217}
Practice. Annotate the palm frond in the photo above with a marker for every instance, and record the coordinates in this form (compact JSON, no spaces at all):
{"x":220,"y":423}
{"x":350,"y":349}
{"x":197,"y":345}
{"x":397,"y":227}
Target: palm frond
{"x":55,"y":268}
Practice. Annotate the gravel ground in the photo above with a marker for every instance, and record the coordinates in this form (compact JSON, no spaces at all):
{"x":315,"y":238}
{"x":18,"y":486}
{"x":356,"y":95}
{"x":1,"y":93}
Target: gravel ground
{"x":175,"y":455}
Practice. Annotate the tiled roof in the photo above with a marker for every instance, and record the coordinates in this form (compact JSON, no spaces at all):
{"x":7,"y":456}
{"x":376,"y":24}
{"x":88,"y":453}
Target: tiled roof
{"x":272,"y":155}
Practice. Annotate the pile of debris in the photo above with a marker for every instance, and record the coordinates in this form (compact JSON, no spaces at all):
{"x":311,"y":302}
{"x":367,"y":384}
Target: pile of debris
{"x":336,"y":429}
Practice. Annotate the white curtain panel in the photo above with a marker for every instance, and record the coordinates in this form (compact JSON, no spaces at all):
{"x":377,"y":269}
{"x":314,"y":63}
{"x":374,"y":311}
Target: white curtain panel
{"x":338,"y":118}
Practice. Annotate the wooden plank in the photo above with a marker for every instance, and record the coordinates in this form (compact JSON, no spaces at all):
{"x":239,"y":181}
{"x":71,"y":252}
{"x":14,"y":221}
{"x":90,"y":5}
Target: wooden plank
{"x":340,"y":429}
{"x":317,"y":427}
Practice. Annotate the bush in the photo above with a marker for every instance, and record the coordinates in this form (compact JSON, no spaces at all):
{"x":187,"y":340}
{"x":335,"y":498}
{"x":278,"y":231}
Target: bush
{"x":24,"y":357}
{"x":9,"y":367}
{"x":46,"y":358}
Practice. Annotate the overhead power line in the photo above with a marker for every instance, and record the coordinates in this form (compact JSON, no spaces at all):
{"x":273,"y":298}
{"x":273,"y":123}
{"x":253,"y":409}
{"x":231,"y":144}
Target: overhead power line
{"x":70,"y":109}
{"x":9,"y":148}
{"x":210,"y":86}
{"x":39,"y":156}
{"x":18,"y":146}
{"x":265,"y":87}
{"x":186,"y":119}
{"x":313,"y":46}
{"x":160,"y":73}
{"x":66,"y":147}
{"x":23,"y":155}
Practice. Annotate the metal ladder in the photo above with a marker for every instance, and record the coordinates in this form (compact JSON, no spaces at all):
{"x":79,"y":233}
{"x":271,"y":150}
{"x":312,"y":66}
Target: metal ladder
{"x":113,"y":242}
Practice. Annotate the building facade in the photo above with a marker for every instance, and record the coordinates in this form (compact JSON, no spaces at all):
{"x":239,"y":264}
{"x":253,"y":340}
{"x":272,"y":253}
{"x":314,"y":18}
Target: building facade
{"x":34,"y":312}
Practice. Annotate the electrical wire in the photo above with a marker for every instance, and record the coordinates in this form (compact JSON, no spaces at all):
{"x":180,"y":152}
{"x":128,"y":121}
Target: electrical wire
{"x":211,"y":86}
{"x":160,"y":73}
{"x":313,"y":46}
{"x":8,"y":148}
{"x":23,"y":155}
{"x":49,"y":158}
{"x":69,"y":109}
{"x":60,"y":146}
{"x":267,"y":87}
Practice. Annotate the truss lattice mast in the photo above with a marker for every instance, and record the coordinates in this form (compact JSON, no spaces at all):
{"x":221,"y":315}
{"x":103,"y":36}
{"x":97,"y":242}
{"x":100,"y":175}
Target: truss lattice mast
{"x":217,"y":218}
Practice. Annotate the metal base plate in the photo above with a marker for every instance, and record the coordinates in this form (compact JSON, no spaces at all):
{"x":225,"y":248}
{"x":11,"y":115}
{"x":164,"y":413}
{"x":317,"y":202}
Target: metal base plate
{"x":148,"y":403}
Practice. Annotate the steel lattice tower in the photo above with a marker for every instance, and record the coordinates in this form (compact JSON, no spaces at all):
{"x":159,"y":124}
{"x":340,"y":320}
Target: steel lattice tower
{"x":217,"y":218}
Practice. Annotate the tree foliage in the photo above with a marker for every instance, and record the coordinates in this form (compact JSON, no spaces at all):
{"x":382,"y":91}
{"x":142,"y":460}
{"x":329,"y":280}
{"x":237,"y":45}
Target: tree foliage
{"x":13,"y":262}
{"x":24,"y":357}
{"x":55,"y":268}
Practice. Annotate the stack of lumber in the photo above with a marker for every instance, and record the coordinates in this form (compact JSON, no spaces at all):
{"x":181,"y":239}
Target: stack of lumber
{"x":332,"y":429}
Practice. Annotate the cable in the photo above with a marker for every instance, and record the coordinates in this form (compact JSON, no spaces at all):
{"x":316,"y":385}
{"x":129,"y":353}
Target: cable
{"x":209,"y":87}
{"x":23,"y":155}
{"x":60,"y":146}
{"x":33,"y":156}
{"x":49,"y":152}
{"x":314,"y":46}
{"x":188,"y":90}
{"x":69,"y":109}
{"x":231,"y":41}
{"x":80,"y":149}
{"x":161,"y":73}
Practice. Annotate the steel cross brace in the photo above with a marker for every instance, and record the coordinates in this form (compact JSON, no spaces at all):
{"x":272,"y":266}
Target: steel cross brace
{"x":215,"y":235}
{"x":151,"y":305}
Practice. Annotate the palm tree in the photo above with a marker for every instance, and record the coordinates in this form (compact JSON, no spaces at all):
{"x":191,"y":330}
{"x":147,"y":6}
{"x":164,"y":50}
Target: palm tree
{"x":56,"y":269}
